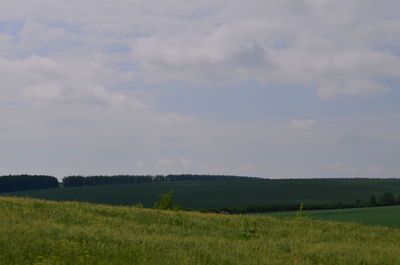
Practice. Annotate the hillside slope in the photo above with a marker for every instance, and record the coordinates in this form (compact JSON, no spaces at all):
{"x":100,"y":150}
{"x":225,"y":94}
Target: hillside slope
{"x":42,"y":233}
{"x":379,"y":216}
{"x":232,"y":193}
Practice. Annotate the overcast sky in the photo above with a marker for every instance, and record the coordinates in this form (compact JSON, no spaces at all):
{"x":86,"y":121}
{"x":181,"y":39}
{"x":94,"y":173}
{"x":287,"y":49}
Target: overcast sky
{"x":288,"y":88}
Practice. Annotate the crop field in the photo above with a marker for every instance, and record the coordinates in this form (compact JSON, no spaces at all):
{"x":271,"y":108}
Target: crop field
{"x":229,"y":193}
{"x":379,"y":216}
{"x":37,"y":232}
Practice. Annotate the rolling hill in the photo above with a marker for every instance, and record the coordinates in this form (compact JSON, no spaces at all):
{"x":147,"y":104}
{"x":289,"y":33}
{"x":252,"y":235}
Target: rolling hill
{"x":36,"y":232}
{"x":227,"y":193}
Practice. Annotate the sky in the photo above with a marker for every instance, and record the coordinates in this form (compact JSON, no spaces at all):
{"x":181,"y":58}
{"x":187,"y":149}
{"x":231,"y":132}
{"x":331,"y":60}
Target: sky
{"x":265,"y":88}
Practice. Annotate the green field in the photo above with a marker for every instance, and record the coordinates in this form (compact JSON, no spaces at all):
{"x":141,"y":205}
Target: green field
{"x":234,"y":193}
{"x":35,"y":232}
{"x":379,"y":216}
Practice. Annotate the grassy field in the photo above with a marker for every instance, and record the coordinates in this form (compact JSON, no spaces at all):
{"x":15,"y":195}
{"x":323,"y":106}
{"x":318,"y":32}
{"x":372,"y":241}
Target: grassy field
{"x":35,"y":232}
{"x":227,"y":193}
{"x":379,"y":216}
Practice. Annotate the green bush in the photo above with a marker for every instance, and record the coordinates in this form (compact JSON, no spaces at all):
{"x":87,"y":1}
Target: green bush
{"x":387,"y":199}
{"x":166,"y":203}
{"x":138,"y":205}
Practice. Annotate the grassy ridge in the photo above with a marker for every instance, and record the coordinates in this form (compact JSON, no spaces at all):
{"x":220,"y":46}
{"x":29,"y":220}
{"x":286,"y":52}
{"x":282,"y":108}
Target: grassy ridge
{"x":227,"y":193}
{"x":380,"y":216}
{"x":34,"y":232}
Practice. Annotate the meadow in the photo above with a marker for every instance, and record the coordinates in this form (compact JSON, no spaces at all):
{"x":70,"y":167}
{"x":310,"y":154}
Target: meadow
{"x":37,"y":232}
{"x":379,"y":216}
{"x":226,"y":193}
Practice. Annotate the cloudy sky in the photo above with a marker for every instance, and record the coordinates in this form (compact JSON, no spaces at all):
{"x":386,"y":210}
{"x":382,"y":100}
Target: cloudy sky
{"x":288,"y":88}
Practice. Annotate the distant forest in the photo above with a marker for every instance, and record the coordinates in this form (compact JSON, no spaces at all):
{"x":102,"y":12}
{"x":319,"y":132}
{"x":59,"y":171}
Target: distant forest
{"x":74,"y":181}
{"x":27,"y":182}
{"x":11,"y":183}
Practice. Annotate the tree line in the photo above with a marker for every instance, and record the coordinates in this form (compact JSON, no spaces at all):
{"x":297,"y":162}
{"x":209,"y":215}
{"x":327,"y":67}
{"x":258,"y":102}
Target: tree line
{"x":11,"y":183}
{"x":27,"y":182}
{"x":75,"y":181}
{"x":386,"y":199}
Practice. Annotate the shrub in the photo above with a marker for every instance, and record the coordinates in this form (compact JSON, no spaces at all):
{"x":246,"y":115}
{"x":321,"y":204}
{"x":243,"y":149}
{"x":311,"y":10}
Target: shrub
{"x":138,"y":205}
{"x":300,"y":212}
{"x":387,"y":199}
{"x":165,"y":202}
{"x":372,"y":200}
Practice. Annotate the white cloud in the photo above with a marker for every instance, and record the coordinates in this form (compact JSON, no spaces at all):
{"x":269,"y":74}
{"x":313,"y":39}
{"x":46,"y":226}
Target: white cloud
{"x":302,"y":124}
{"x":174,"y":119}
{"x":37,"y":79}
{"x":270,"y":43}
{"x":339,"y":48}
{"x":376,"y":170}
{"x":39,"y":37}
{"x":6,"y":43}
{"x":341,"y":168}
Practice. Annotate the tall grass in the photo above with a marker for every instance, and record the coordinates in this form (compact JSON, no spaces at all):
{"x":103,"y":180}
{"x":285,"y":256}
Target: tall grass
{"x":35,"y":232}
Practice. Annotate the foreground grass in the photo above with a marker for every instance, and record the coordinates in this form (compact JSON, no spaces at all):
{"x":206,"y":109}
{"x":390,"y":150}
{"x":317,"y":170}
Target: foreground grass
{"x":52,"y":233}
{"x":232,"y":193}
{"x":378,"y":216}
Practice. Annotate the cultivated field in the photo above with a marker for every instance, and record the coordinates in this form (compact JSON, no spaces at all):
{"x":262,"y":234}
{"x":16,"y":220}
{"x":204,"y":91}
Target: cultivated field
{"x":379,"y":216}
{"x":229,"y":193}
{"x":35,"y":232}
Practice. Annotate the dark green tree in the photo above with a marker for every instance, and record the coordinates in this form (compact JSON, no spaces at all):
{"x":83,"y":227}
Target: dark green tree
{"x":387,"y":199}
{"x":372,"y":200}
{"x":166,"y":203}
